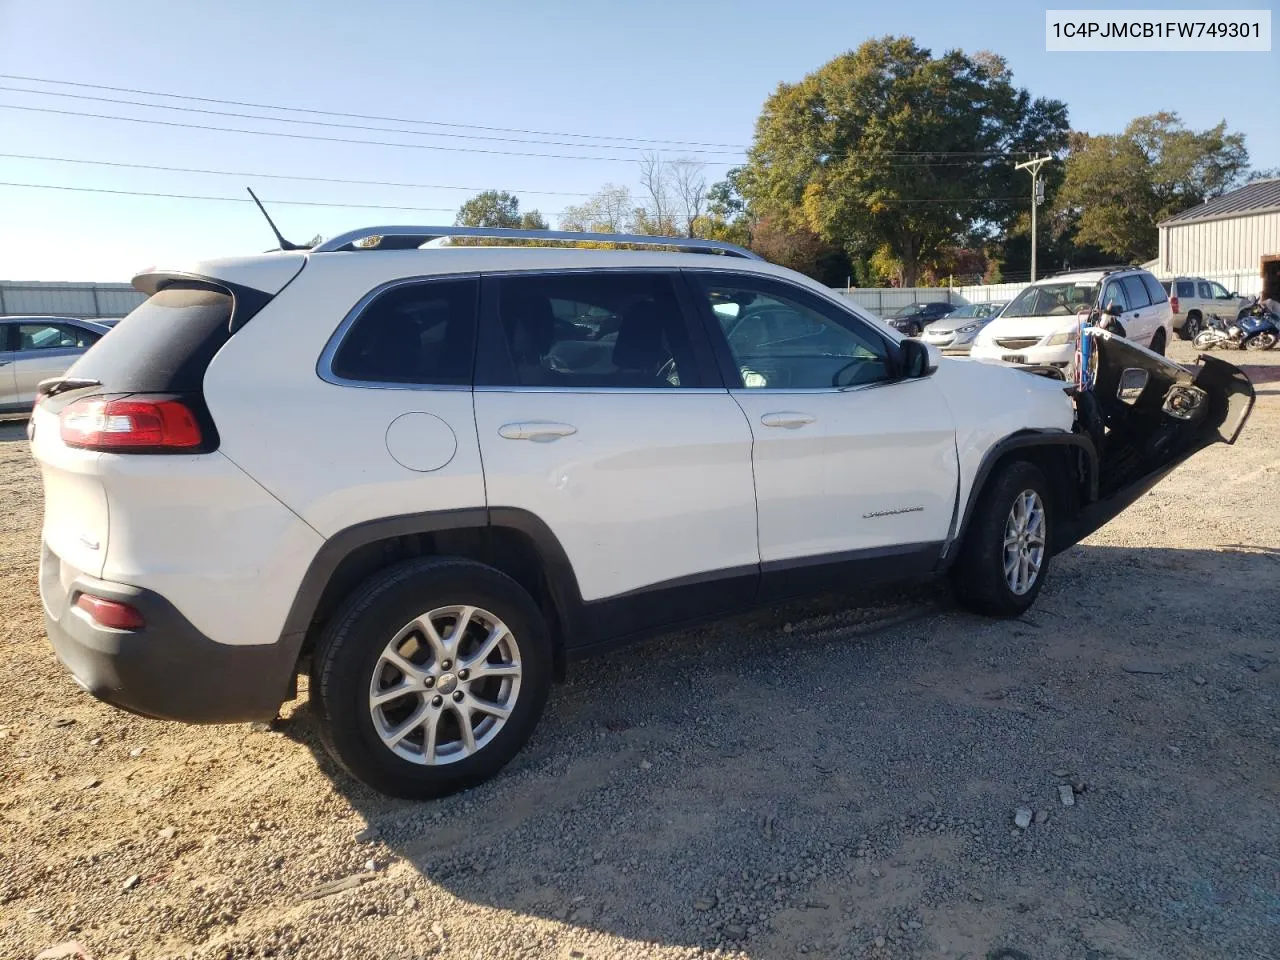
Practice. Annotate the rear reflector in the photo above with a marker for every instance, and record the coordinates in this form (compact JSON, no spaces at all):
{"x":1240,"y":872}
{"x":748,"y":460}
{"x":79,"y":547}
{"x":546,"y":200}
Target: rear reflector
{"x":110,"y":613}
{"x":129,"y":425}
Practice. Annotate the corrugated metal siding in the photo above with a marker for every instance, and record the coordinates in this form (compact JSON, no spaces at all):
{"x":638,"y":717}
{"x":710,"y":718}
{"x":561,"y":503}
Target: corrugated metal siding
{"x":883,"y":300}
{"x":1237,"y":244}
{"x":86,"y":300}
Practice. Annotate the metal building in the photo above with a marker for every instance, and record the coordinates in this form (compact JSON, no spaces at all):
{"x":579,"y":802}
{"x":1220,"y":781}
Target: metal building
{"x":86,"y":300}
{"x":1236,"y":233}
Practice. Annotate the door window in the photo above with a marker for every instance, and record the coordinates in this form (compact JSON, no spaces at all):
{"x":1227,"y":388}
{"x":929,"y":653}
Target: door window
{"x":1158,"y":293}
{"x":1219,"y":291}
{"x":595,"y":330}
{"x":420,"y":332}
{"x":1136,"y":292}
{"x":783,"y":338}
{"x":53,"y":336}
{"x":1114,"y":299}
{"x":1186,"y":289}
{"x":1206,"y":291}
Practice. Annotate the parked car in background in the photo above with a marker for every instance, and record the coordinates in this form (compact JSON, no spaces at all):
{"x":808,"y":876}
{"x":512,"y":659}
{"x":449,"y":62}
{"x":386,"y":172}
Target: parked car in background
{"x":36,"y":348}
{"x":955,"y":332}
{"x":1192,"y":299}
{"x":914,"y":317}
{"x":1040,"y":325}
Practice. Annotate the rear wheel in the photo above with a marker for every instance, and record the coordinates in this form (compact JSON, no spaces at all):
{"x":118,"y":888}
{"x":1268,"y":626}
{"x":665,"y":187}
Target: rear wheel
{"x":431,"y":677}
{"x":1157,"y":342}
{"x":1261,"y":341}
{"x":1191,"y":326}
{"x":1004,"y":559}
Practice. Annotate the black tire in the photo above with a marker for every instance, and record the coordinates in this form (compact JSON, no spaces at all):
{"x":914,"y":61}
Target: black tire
{"x":354,"y":640}
{"x":1191,"y":326}
{"x":978,"y":575}
{"x":1158,"y":342}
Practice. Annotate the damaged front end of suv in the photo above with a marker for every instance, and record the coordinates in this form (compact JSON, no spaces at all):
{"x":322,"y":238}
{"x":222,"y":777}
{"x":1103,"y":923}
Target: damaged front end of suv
{"x":1144,"y":415}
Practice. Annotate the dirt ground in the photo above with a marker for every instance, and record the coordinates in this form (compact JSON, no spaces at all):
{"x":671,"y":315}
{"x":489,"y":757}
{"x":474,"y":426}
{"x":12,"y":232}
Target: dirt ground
{"x":835,"y":778}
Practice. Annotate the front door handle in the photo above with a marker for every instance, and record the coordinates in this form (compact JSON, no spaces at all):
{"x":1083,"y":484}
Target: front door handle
{"x":788,"y":419}
{"x":539,"y":431}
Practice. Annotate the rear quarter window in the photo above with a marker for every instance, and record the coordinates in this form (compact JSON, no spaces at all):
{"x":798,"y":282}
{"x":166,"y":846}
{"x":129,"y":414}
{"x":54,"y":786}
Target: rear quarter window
{"x":421,"y":332}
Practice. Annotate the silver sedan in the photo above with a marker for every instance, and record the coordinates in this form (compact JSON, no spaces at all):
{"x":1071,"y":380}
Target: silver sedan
{"x":954,"y":333}
{"x":36,"y":348}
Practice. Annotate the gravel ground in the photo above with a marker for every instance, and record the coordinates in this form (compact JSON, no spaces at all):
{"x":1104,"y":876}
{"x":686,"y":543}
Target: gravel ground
{"x":837,"y":778}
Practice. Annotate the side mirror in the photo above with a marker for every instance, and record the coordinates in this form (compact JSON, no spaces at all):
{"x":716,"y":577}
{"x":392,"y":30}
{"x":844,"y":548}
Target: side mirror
{"x":918,"y":359}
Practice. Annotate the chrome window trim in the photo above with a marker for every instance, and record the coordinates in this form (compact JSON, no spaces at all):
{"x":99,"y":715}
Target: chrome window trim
{"x":324,"y":365}
{"x":647,"y":391}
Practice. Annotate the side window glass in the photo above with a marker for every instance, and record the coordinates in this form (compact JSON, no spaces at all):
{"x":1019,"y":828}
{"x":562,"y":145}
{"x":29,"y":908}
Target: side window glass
{"x":1206,"y":292}
{"x":1158,"y":294}
{"x":49,"y":336}
{"x":421,"y":332}
{"x":1113,"y":298}
{"x":782,"y":339}
{"x":1186,"y":288}
{"x":1219,"y":291}
{"x":603,"y":330}
{"x":1136,"y":293}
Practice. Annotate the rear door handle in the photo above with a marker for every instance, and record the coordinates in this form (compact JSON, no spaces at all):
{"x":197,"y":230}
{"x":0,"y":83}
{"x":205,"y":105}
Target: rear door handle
{"x":788,"y":419}
{"x":539,"y":431}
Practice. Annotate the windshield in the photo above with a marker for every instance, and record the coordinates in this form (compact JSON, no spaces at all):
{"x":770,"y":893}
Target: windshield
{"x":1054,"y":299}
{"x":910,"y":310}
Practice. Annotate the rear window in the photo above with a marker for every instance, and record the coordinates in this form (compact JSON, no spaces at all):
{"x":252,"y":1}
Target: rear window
{"x":164,"y":346}
{"x":1186,"y":289}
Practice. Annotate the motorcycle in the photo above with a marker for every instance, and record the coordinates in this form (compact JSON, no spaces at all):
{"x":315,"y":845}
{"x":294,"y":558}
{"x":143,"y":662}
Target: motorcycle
{"x":1255,"y":328}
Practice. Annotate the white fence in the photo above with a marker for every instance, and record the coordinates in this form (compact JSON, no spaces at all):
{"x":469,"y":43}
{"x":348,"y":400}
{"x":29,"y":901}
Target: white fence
{"x":884,"y":300}
{"x":85,"y":300}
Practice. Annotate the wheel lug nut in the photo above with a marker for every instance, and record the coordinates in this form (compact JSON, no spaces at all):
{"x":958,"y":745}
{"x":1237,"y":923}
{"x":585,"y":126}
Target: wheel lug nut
{"x":430,"y":682}
{"x":464,"y":674}
{"x":446,"y":664}
{"x":436,"y":701}
{"x":457,"y":696}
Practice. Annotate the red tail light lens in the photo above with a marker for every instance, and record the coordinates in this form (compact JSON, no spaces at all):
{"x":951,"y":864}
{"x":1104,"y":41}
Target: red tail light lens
{"x":1173,"y":304}
{"x":133,"y":424}
{"x":111,"y":613}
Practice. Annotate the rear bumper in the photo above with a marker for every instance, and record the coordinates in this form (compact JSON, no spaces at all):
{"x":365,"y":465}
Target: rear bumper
{"x":168,"y":670}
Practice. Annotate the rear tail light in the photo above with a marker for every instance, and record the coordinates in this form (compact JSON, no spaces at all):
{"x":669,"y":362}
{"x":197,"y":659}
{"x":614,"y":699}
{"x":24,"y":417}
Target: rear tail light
{"x":110,"y":613}
{"x":1173,"y":304}
{"x":134,"y":424}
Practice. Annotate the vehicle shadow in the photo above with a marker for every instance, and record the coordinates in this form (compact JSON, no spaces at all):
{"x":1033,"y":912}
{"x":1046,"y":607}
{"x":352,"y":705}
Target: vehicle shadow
{"x":819,"y":775}
{"x":13,"y":430}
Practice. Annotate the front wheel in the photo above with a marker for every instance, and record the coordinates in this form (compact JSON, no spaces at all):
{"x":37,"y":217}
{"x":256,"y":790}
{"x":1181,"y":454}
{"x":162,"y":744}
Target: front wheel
{"x":1260,"y":341}
{"x":431,"y":677}
{"x":1205,"y":340}
{"x":1004,"y":558}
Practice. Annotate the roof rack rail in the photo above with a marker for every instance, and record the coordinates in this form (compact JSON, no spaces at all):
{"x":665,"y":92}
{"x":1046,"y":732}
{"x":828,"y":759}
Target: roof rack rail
{"x":1104,"y":268}
{"x":409,"y":238}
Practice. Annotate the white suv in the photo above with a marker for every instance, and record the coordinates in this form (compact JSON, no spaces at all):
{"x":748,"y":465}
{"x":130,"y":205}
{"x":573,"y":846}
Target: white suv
{"x":431,"y":477}
{"x":1039,"y":327}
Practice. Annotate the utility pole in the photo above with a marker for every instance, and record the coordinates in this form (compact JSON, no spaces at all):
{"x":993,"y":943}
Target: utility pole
{"x":1037,"y":198}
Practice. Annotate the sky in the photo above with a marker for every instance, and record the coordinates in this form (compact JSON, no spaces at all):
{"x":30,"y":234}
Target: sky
{"x":696,"y":71}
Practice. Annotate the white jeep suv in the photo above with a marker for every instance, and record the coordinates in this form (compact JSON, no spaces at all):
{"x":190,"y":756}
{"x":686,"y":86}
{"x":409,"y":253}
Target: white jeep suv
{"x":431,"y":477}
{"x":1040,"y":326}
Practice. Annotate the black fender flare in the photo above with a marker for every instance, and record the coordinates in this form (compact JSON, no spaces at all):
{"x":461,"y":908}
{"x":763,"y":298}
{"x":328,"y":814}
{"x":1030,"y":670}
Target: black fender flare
{"x":1022,"y":440}
{"x":565,"y":594}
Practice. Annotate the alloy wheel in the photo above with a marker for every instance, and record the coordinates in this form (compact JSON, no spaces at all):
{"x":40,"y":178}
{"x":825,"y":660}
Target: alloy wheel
{"x":445,"y":685}
{"x":1024,"y":542}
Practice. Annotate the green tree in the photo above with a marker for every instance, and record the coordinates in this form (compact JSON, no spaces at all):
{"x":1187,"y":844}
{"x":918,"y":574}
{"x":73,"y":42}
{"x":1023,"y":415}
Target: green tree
{"x":891,"y":150}
{"x":533,"y":220}
{"x":1119,"y":186}
{"x":491,"y":208}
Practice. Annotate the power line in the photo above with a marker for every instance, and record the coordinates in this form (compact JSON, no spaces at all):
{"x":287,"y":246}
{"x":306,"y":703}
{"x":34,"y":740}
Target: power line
{"x":279,"y":176}
{"x":371,"y":206}
{"x":339,"y":126}
{"x":318,"y":138}
{"x":364,"y":116}
{"x":976,"y":154}
{"x":191,"y":196}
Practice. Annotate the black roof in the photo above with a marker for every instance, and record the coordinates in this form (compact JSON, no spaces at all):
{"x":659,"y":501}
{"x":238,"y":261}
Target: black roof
{"x":1251,"y":198}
